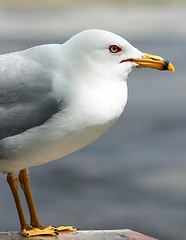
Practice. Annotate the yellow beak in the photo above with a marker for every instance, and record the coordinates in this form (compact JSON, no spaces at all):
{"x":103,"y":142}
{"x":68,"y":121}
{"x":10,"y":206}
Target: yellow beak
{"x":152,"y":61}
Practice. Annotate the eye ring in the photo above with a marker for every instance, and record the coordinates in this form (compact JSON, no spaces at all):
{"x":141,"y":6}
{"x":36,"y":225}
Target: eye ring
{"x":114,"y":49}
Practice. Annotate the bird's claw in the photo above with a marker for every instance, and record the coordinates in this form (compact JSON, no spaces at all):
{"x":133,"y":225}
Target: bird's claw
{"x":52,"y":231}
{"x":67,"y":228}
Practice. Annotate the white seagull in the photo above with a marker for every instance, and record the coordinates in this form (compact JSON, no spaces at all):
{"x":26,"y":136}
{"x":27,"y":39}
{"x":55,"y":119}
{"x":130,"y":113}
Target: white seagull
{"x":58,"y":98}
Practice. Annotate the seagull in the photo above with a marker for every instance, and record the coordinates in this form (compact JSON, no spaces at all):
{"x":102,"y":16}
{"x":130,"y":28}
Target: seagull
{"x":58,"y":98}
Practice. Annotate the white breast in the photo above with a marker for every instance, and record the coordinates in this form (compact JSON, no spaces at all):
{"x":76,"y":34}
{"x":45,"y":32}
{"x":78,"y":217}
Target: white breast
{"x":86,"y":117}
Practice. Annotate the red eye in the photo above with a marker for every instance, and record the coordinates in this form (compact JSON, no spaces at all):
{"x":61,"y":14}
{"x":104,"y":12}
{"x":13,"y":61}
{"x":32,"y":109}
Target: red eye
{"x":114,"y":49}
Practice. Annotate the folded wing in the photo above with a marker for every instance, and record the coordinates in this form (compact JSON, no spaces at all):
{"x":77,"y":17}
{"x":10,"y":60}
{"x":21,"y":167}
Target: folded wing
{"x":27,"y":98}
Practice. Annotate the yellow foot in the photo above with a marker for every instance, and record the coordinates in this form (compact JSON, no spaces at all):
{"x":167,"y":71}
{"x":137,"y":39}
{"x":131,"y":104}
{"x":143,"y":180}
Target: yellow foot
{"x":52,"y":231}
{"x":32,"y":231}
{"x":68,"y":228}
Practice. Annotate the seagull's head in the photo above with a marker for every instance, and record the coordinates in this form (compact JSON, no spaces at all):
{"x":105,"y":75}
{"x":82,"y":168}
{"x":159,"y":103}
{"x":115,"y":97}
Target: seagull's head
{"x":110,"y":54}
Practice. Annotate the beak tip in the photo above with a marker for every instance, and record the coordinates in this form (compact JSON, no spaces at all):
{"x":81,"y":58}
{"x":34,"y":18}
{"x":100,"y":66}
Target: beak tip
{"x":171,"y":67}
{"x":168,"y":66}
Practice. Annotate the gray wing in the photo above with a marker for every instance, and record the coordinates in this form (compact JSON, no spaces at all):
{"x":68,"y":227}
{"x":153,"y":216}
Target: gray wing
{"x":27,"y":99}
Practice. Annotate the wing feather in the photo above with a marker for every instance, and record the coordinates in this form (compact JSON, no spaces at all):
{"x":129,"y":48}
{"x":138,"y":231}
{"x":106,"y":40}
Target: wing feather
{"x":27,"y":98}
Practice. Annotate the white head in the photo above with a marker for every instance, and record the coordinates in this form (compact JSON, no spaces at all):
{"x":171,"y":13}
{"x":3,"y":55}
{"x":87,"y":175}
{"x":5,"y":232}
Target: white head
{"x":112,"y":53}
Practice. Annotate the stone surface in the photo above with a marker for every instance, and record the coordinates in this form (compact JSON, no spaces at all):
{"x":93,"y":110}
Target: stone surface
{"x":123,"y":234}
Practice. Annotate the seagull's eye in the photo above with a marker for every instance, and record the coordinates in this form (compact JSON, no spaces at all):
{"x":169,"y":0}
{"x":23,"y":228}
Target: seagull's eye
{"x":114,"y":49}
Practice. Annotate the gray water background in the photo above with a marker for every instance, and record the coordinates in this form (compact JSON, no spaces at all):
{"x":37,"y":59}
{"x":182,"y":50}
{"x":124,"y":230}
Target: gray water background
{"x":134,"y":176}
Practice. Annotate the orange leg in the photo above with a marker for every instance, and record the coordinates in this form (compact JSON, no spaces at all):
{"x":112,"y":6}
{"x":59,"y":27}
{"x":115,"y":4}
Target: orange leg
{"x":37,"y":227}
{"x":26,"y":229}
{"x":24,"y":182}
{"x":13,"y":183}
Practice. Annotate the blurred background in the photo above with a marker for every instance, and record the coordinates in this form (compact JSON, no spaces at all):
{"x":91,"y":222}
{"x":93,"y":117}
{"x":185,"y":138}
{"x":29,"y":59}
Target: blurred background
{"x":135,"y":175}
